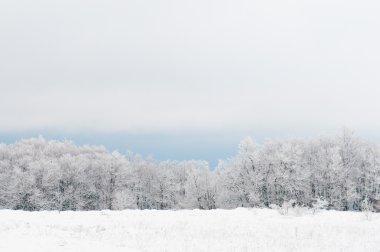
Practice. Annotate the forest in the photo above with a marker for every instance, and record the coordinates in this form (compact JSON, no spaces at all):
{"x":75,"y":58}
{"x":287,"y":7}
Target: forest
{"x":343,"y":170}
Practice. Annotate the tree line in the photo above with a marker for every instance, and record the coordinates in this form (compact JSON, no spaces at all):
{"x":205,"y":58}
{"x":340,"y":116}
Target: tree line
{"x":36,"y":174}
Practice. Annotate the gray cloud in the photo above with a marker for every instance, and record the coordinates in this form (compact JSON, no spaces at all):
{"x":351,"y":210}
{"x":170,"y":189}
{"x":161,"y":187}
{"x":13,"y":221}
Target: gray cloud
{"x":185,"y":65}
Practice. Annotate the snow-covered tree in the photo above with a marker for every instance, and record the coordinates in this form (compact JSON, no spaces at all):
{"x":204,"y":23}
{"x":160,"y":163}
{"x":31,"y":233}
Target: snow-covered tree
{"x":36,"y":174}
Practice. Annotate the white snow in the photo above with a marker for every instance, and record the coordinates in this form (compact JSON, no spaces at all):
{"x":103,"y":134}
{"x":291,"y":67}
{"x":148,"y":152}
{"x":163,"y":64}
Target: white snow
{"x":188,"y":230}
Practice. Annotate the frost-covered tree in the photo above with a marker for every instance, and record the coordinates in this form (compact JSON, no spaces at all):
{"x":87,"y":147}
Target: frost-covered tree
{"x":36,"y":174}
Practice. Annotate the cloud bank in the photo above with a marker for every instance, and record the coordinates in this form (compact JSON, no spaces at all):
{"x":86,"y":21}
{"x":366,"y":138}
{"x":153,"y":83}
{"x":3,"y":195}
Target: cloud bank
{"x":178,"y":65}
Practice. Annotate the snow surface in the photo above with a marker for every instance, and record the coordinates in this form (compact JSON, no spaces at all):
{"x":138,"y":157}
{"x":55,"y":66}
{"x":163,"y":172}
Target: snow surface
{"x":188,"y":230}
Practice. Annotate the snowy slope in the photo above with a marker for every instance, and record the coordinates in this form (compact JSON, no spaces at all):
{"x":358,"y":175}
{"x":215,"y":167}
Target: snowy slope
{"x":215,"y":230}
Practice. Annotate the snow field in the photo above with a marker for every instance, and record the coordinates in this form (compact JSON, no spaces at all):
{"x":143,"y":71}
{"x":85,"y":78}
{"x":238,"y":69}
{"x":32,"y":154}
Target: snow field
{"x":188,"y":230}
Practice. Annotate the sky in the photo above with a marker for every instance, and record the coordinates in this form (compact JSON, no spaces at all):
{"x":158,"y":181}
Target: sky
{"x":188,"y":79}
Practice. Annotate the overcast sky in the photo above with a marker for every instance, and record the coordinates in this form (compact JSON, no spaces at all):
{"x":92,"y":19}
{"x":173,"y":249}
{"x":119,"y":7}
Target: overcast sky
{"x":162,"y":66}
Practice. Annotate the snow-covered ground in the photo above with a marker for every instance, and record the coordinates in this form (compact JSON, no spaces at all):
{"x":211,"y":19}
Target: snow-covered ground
{"x":185,"y":230}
